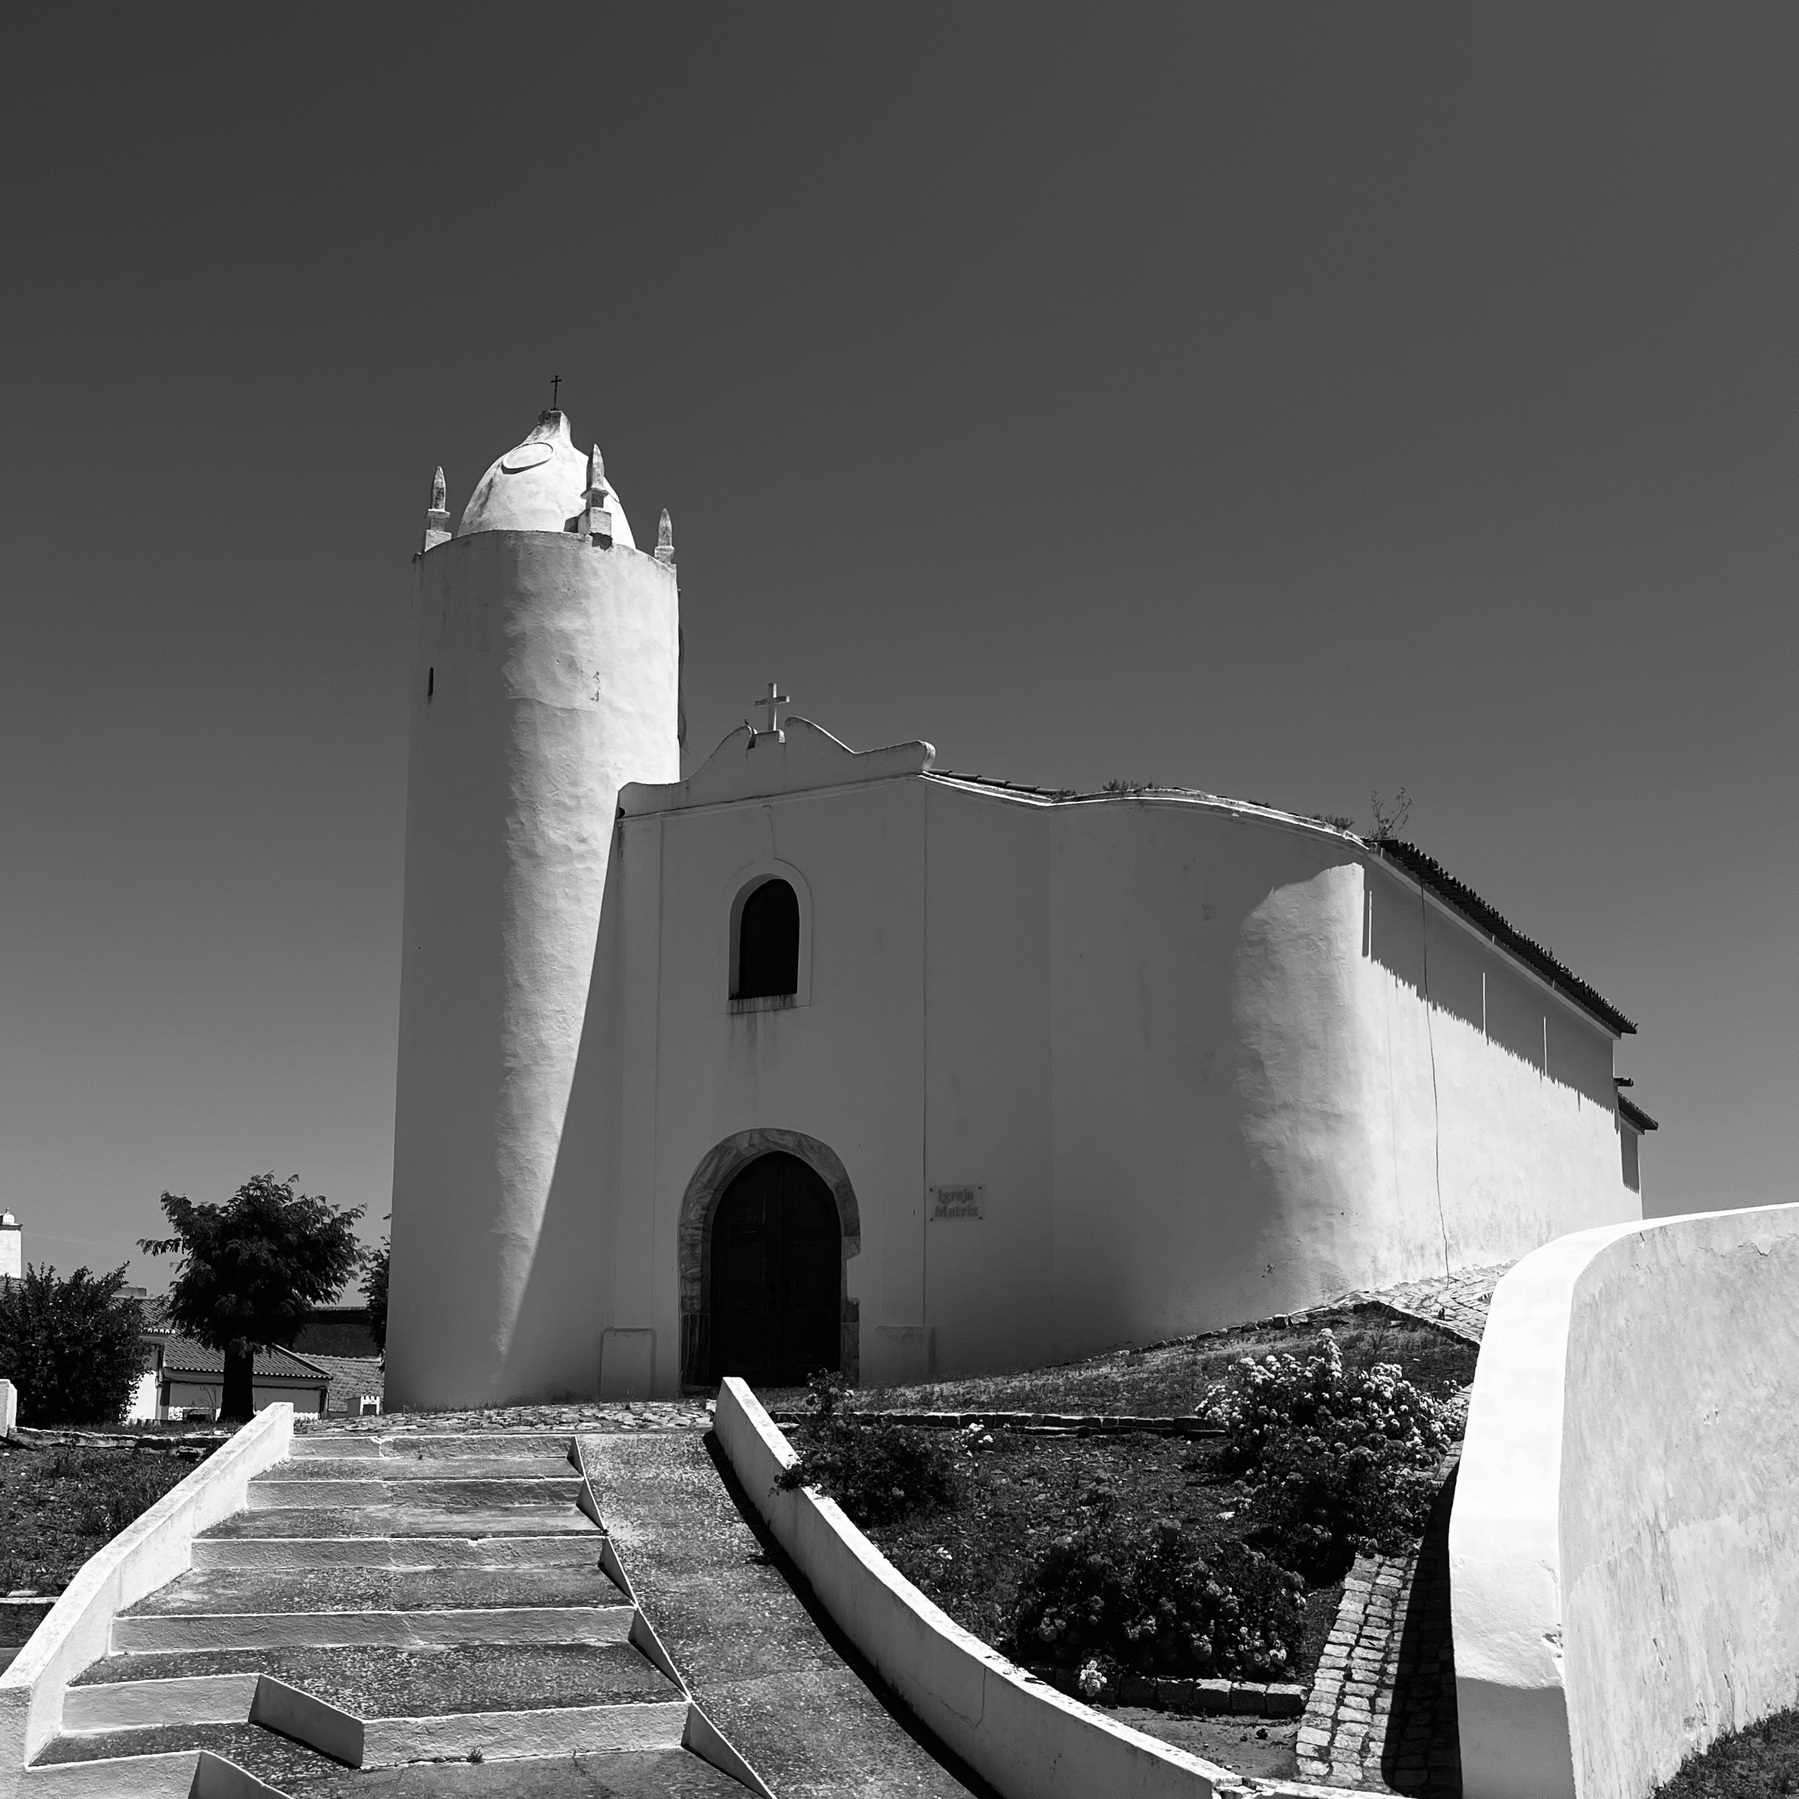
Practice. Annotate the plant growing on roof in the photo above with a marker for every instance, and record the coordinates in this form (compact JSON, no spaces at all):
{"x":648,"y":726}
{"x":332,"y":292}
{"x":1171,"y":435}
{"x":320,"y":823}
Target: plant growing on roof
{"x":1389,"y":821}
{"x":252,"y":1269}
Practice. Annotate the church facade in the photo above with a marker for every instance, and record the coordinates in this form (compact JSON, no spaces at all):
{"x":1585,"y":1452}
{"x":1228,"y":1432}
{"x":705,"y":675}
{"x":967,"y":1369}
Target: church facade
{"x":819,"y":1058}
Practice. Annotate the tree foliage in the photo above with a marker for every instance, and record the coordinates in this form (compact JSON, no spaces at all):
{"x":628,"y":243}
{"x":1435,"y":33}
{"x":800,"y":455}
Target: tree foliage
{"x":253,"y":1268}
{"x":374,"y":1290}
{"x":74,"y":1348}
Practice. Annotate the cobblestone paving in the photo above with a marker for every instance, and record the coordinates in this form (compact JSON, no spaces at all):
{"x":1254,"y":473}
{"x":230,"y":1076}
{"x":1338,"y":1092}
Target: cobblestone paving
{"x":1382,"y":1715}
{"x":644,"y":1415}
{"x":1457,"y":1302}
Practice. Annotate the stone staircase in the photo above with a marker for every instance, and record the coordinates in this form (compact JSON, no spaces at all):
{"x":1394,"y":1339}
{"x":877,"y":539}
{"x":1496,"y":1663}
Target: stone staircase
{"x":394,"y":1614}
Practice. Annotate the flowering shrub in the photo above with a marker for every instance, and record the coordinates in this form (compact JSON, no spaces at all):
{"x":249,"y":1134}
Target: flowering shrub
{"x":1154,"y":1603}
{"x":878,"y":1472}
{"x":1338,"y":1462}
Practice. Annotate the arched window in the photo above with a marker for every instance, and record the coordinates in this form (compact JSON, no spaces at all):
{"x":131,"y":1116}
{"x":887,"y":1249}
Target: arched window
{"x":768,"y":943}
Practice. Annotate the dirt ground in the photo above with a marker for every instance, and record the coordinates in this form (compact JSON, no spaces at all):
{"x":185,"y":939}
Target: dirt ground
{"x":58,"y":1505}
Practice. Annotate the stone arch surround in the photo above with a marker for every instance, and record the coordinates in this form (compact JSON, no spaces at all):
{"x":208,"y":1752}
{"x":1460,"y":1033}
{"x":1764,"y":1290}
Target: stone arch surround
{"x":717,"y":1169}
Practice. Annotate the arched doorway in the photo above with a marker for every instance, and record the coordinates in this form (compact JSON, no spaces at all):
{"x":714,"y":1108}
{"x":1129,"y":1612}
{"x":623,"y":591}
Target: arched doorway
{"x":775,"y":1260}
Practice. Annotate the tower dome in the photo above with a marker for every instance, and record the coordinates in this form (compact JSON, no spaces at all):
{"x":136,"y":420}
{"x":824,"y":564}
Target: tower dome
{"x":542,"y":485}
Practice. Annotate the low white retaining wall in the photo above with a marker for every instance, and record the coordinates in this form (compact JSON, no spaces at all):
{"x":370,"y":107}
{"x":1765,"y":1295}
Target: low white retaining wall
{"x":1023,"y":1736}
{"x":137,"y":1561}
{"x":1624,"y":1546}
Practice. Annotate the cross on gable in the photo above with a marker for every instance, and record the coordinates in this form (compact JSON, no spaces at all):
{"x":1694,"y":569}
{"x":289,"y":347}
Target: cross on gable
{"x":769,"y":701}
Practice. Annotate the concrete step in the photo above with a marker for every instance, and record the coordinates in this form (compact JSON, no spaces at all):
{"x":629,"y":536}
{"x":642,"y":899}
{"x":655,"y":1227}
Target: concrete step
{"x":622,"y":1774}
{"x":405,"y":1445}
{"x":205,"y":1761}
{"x":381,"y":1681}
{"x":272,"y":1554}
{"x":393,"y":1604}
{"x":350,"y":1589}
{"x":269,"y":1492}
{"x":422,"y":1467}
{"x":180,"y":1633}
{"x":409,"y":1521}
{"x":628,"y":1724}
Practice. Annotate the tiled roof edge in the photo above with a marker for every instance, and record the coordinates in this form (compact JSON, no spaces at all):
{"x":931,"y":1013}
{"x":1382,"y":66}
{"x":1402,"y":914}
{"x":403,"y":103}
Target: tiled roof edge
{"x":1431,"y":873}
{"x":1629,"y":1109}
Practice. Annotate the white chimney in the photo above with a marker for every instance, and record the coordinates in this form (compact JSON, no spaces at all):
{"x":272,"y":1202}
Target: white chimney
{"x":12,"y":1246}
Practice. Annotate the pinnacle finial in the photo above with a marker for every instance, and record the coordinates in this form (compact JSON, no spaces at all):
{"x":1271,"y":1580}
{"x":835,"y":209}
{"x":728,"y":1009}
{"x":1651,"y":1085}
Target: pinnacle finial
{"x":597,"y":519}
{"x":437,"y":518}
{"x":665,"y":539}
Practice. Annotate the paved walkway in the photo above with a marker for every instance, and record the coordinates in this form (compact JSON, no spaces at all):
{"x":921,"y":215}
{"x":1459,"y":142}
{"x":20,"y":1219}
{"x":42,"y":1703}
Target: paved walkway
{"x":1382,"y":1713}
{"x":771,"y":1669}
{"x":1455,"y":1302}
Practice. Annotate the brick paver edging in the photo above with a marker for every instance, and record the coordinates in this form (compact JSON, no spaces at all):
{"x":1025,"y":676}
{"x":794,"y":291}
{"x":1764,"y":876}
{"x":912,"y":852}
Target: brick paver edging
{"x":188,"y":1443}
{"x":1039,"y":1423}
{"x":1381,"y":1716}
{"x":1196,"y":1698}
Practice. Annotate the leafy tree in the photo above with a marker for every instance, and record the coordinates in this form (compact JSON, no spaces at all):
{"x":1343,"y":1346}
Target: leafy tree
{"x":252,"y":1269}
{"x":374,"y":1290}
{"x":74,"y":1348}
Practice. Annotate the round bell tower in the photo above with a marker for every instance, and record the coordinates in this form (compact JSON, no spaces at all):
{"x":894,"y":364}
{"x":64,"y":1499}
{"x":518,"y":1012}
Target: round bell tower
{"x":545,"y":676}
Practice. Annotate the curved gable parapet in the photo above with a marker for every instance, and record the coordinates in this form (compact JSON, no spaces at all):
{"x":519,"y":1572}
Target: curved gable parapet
{"x":798,"y":758}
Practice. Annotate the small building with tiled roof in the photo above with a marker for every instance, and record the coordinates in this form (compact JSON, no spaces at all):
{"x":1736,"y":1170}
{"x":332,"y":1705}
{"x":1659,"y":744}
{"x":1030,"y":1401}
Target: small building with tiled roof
{"x":183,"y":1378}
{"x":357,"y":1383}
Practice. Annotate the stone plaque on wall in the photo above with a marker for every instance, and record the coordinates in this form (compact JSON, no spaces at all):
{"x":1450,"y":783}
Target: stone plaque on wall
{"x":957,"y":1202}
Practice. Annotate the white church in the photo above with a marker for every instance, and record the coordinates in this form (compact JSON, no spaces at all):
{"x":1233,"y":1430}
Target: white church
{"x":831,"y":1058}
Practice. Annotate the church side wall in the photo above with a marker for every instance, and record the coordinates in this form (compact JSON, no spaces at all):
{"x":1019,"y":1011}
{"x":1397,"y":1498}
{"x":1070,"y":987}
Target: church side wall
{"x":1501,"y":1119}
{"x":1250,"y":1103}
{"x":1212,"y":1155}
{"x":988,"y":1083}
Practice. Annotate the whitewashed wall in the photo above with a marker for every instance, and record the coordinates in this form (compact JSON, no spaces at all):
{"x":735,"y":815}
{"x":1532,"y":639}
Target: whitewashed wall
{"x":1183,"y":1048}
{"x":1624,"y":1544}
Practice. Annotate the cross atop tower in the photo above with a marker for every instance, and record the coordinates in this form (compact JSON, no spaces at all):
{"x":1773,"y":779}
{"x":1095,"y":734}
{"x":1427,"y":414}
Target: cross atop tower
{"x":555,"y":393}
{"x":770,"y":700}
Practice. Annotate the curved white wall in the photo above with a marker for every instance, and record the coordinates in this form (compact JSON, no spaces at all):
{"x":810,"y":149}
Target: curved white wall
{"x":1624,"y":1547}
{"x":544,"y":679}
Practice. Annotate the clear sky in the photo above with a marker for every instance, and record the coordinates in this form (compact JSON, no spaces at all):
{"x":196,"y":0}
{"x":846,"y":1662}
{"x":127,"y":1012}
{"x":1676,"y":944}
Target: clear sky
{"x":1283,"y":401}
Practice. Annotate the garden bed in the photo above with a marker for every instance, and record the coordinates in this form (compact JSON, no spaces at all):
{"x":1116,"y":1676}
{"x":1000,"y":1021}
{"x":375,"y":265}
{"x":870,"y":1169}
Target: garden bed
{"x":58,"y":1505}
{"x":1006,"y":1499}
{"x":1019,"y":1492}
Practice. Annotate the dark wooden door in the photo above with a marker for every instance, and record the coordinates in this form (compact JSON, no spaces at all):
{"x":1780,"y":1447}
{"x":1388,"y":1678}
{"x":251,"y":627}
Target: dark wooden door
{"x":777,"y":1255}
